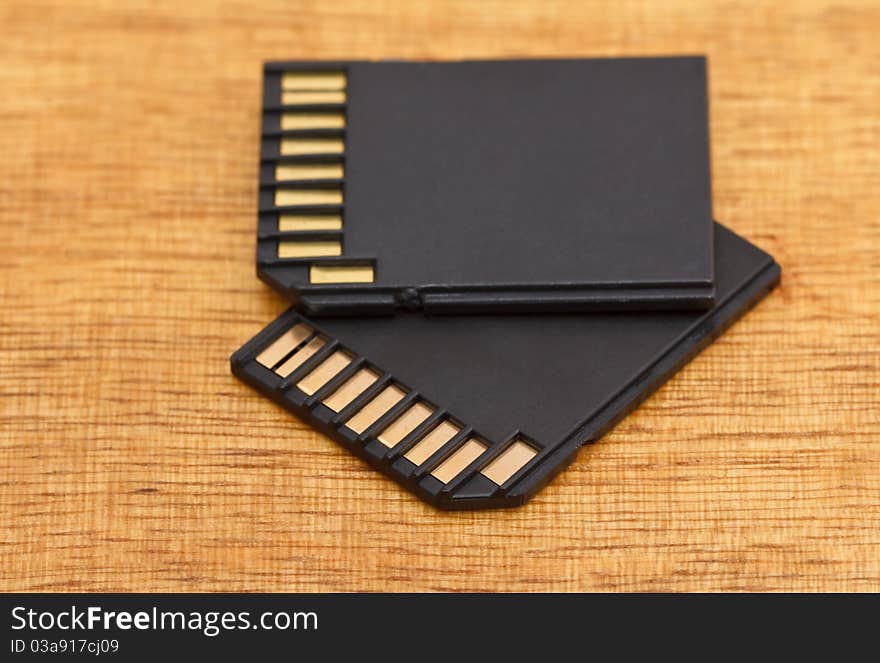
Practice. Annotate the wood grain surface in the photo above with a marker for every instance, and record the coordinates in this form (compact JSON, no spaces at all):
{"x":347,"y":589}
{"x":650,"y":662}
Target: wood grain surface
{"x":130,"y":458}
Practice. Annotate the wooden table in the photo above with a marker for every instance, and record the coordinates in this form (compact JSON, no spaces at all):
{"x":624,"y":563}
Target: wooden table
{"x":130,"y":459}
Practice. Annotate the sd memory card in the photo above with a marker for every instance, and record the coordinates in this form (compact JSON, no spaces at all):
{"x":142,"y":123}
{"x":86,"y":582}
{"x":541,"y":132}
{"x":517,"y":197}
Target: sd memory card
{"x":480,"y":411}
{"x":487,"y":186}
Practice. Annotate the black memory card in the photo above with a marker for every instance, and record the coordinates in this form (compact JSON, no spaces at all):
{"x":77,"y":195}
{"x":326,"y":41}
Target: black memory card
{"x":487,"y":186}
{"x":480,"y":411}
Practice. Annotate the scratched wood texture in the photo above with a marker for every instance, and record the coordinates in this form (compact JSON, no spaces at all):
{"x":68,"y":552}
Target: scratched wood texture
{"x":130,"y":459}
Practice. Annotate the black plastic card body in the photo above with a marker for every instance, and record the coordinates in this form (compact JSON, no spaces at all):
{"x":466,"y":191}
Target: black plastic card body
{"x":473,"y":412}
{"x":487,"y":186}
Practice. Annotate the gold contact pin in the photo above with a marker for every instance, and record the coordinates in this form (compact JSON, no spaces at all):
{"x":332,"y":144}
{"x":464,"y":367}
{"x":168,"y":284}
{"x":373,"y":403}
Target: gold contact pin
{"x":313,"y":80}
{"x":302,"y":146}
{"x":341,"y":274}
{"x":429,"y":444}
{"x":324,"y":372}
{"x":300,"y":356}
{"x":302,"y":249}
{"x":372,"y":411}
{"x":287,"y":172}
{"x":351,"y":389}
{"x":293,"y":197}
{"x":405,"y":424}
{"x":509,"y":462}
{"x":454,"y":464}
{"x":306,"y":97}
{"x":294,"y":222}
{"x":298,"y":121}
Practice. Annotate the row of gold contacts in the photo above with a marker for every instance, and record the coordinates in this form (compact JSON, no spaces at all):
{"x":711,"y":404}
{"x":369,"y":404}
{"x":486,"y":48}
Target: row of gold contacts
{"x":319,"y":254}
{"x":322,"y":255}
{"x":309,"y":87}
{"x":304,"y":98}
{"x":310,"y":143}
{"x":366,"y":404}
{"x":307,"y":194}
{"x":303,"y":131}
{"x":308,"y":218}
